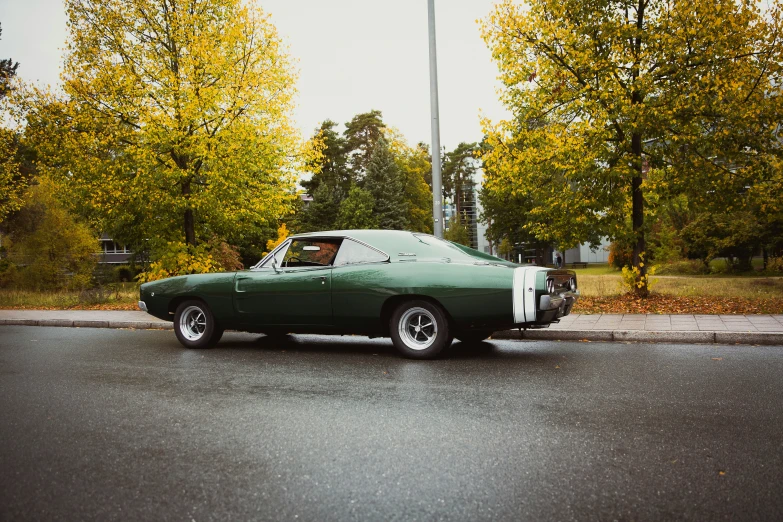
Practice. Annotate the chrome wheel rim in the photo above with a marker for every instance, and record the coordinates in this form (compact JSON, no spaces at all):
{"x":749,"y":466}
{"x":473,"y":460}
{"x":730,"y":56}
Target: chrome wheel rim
{"x":418,"y":328}
{"x":193,"y":323}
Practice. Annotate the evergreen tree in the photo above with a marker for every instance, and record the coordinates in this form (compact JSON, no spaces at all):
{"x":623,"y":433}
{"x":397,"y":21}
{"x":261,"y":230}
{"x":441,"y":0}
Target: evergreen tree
{"x":322,"y":212}
{"x":333,"y":167}
{"x":361,"y":135}
{"x":459,"y":171}
{"x":385,"y":184}
{"x":356,"y":211}
{"x":7,"y":71}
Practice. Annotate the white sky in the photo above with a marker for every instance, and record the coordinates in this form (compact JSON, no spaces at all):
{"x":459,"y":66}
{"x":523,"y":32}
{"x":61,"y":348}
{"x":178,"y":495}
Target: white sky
{"x":353,"y":56}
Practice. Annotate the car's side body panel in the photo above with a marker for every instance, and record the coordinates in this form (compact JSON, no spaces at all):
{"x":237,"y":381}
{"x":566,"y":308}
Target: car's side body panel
{"x":214,"y":289}
{"x":291,"y":297}
{"x":469,"y":294}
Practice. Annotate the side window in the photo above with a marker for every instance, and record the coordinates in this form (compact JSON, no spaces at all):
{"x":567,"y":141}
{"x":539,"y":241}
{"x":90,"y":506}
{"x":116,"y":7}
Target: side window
{"x":315,"y":252}
{"x":267,"y":261}
{"x":352,"y":253}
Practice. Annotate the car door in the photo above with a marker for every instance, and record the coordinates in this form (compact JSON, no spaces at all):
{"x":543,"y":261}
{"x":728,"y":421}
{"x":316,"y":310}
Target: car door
{"x":359,"y":286}
{"x":298,"y":292}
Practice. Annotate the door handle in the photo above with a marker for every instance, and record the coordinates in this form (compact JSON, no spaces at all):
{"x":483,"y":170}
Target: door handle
{"x":236,"y":284}
{"x":322,"y":278}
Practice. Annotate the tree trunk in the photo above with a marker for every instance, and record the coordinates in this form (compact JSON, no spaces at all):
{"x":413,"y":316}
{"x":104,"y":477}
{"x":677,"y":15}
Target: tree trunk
{"x":489,"y":225}
{"x":190,"y":226}
{"x":637,"y":198}
{"x":637,"y":214}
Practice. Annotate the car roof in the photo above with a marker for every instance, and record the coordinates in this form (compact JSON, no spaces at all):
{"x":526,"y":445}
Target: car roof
{"x":402,"y":243}
{"x":390,"y":241}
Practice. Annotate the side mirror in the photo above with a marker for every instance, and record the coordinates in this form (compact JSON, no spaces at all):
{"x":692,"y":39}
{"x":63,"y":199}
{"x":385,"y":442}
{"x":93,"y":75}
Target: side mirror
{"x":275,"y":264}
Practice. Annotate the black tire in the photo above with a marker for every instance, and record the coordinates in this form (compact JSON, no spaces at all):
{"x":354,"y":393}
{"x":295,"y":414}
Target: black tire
{"x":195,"y":325}
{"x":473,"y":337}
{"x":412,"y":339}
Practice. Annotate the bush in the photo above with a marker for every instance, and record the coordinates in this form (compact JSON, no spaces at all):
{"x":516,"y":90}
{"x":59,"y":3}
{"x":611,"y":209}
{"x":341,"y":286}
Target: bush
{"x":181,"y":259}
{"x":620,"y":255}
{"x":50,"y":248}
{"x":632,"y":281}
{"x":7,"y":273}
{"x":665,"y":245}
{"x":123,"y":274}
{"x":683,"y":267}
{"x":775,"y":264}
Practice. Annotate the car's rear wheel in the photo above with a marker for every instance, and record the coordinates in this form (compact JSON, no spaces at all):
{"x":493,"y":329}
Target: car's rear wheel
{"x":419,"y":329}
{"x":195,"y":325}
{"x":473,"y":337}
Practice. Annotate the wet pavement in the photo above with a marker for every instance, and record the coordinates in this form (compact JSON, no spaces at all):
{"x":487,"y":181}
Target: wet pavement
{"x":100,"y":424}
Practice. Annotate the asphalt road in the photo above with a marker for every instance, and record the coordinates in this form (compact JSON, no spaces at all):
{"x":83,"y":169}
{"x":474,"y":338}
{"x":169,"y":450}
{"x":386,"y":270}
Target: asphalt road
{"x":100,"y":424}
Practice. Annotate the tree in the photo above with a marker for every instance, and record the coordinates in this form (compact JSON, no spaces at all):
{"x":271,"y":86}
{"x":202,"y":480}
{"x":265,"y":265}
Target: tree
{"x":384,"y":183}
{"x":7,"y":71}
{"x":506,"y":248}
{"x":176,"y":124}
{"x":12,"y":179}
{"x":357,"y":211}
{"x":415,"y":167}
{"x":321,"y":213}
{"x":459,"y":172}
{"x":12,"y":183}
{"x":457,"y":231}
{"x":332,"y":168}
{"x":54,"y":250}
{"x":330,"y":182}
{"x":361,"y":134}
{"x":605,"y":91}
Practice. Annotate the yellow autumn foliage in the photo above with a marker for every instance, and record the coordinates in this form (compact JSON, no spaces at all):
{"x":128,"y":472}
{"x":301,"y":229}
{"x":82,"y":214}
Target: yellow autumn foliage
{"x":176,"y":123}
{"x":601,"y":94}
{"x":282,"y":235}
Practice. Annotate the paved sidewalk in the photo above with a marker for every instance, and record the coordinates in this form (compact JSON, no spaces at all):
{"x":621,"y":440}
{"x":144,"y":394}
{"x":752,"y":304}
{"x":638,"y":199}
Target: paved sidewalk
{"x":667,"y":323}
{"x":84,"y":318}
{"x":724,"y":329}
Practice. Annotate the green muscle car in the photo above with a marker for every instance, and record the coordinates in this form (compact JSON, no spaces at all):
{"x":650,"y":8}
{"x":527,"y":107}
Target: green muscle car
{"x":415,"y":288}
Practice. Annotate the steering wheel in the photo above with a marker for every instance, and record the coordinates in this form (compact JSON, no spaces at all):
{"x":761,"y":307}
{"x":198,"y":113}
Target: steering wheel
{"x":292,"y":258}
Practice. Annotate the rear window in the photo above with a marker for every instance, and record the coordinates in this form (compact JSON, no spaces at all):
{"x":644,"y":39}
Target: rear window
{"x":353,"y":253}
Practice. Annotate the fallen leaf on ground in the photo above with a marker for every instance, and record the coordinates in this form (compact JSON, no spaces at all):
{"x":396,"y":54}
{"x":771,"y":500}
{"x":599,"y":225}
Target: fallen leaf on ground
{"x":677,"y":304}
{"x":717,"y":358}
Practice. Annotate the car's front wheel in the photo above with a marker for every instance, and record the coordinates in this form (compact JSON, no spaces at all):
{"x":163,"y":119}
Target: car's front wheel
{"x":419,"y":329}
{"x":195,"y":325}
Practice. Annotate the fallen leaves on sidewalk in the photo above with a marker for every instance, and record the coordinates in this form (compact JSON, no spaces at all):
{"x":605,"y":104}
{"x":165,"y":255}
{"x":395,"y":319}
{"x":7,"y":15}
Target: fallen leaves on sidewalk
{"x":675,"y":304}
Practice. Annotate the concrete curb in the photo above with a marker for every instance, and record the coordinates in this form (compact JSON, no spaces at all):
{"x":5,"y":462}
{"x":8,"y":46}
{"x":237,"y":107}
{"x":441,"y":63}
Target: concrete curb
{"x":81,"y":323}
{"x":647,"y":336}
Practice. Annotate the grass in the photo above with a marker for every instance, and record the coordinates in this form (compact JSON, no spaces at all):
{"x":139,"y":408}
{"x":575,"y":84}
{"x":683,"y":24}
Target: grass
{"x":604,"y":281}
{"x":596,"y":269}
{"x":117,"y":296}
{"x":746,"y":287}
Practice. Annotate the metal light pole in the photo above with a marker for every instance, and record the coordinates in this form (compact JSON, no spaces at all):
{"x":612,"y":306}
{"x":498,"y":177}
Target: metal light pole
{"x":437,"y":191}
